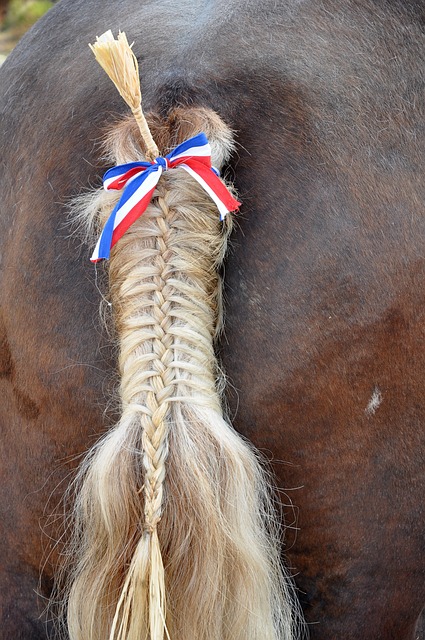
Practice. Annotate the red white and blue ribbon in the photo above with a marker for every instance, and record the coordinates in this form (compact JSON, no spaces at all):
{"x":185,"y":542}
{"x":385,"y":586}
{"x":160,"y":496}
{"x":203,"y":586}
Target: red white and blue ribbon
{"x":139,"y":179}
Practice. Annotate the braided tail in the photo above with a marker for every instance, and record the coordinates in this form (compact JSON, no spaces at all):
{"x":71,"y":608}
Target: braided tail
{"x":172,"y":500}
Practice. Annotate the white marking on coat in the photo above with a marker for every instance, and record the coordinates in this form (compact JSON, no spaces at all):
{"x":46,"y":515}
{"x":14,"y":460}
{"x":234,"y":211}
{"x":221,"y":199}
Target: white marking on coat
{"x":374,"y":402}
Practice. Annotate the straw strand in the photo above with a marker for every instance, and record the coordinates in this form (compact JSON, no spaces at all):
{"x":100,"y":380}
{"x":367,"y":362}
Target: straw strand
{"x":117,"y":59}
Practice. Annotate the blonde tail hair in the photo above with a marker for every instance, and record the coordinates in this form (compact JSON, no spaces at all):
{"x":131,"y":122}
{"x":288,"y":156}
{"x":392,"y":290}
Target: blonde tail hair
{"x":173,"y":483}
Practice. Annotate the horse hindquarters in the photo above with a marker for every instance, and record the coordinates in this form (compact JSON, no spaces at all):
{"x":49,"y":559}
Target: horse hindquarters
{"x":329,"y":169}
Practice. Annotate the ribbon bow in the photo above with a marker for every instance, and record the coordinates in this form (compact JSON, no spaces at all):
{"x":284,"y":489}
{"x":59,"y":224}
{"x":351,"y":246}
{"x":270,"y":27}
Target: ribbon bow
{"x":139,"y":180}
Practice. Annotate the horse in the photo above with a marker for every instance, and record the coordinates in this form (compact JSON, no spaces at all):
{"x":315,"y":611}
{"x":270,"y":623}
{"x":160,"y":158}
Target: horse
{"x":323,"y":288}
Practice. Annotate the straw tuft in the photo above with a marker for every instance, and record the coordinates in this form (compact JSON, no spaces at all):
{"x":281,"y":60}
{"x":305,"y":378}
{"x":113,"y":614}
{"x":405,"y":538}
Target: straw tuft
{"x":117,"y":58}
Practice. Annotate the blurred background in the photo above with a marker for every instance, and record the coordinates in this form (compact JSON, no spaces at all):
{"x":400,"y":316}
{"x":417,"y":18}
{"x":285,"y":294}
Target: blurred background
{"x":16,"y":16}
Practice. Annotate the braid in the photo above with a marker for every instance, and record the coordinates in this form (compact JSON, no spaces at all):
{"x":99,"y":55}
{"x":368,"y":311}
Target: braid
{"x":173,"y":480}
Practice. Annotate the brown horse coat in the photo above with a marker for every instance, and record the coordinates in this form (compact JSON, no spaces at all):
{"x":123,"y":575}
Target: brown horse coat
{"x":324,"y":337}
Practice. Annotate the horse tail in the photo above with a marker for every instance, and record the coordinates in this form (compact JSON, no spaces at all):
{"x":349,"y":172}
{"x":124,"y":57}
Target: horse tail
{"x":173,"y":483}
